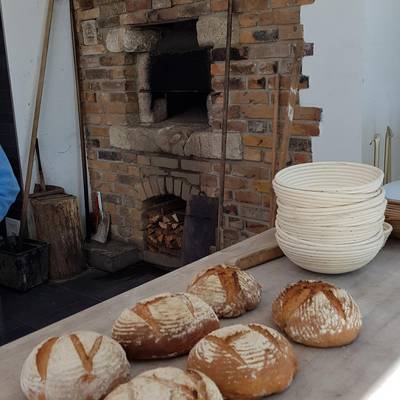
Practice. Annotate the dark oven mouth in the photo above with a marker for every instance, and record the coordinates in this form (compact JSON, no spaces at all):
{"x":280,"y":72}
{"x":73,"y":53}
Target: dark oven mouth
{"x":180,"y":73}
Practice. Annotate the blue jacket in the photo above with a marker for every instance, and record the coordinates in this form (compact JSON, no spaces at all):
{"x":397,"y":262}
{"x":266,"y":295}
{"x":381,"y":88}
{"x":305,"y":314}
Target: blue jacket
{"x":9,"y":187}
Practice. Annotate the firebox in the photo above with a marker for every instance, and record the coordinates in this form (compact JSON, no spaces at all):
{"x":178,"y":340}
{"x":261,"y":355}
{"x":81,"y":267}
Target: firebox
{"x":165,"y":218}
{"x":179,"y":73}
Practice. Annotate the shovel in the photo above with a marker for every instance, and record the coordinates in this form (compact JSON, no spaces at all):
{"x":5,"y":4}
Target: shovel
{"x":103,"y":228}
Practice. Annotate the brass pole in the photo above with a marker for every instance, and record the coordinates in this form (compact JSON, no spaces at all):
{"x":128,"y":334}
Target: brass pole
{"x":220,"y":233}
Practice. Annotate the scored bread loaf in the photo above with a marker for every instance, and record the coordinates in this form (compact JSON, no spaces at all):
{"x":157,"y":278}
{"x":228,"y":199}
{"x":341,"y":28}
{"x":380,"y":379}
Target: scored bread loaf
{"x":164,"y":326}
{"x":317,"y":314}
{"x":245,"y":361}
{"x":83,"y":365}
{"x":228,"y":290}
{"x":168,"y":384}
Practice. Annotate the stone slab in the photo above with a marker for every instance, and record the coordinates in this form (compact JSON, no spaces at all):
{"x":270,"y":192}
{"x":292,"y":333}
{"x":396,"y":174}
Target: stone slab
{"x":366,"y":370}
{"x":112,"y":256}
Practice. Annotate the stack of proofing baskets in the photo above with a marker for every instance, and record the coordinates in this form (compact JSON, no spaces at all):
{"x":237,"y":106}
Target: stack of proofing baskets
{"x":331,"y":215}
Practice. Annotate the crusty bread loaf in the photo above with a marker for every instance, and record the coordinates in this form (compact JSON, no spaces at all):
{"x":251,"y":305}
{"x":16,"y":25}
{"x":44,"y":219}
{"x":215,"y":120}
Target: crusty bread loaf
{"x":317,"y":314}
{"x":228,"y":290}
{"x":164,"y":326}
{"x":83,"y":365}
{"x":168,"y":384}
{"x":245,"y":361}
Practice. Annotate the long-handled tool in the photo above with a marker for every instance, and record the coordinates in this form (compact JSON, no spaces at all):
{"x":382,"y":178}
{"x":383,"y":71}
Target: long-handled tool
{"x":220,"y":233}
{"x":103,"y":228}
{"x":75,"y":47}
{"x":388,"y":156}
{"x":376,"y":143}
{"x":38,"y":104}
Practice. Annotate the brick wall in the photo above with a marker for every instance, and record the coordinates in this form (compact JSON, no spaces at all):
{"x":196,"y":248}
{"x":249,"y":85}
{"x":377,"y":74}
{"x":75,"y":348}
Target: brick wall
{"x":128,"y":166}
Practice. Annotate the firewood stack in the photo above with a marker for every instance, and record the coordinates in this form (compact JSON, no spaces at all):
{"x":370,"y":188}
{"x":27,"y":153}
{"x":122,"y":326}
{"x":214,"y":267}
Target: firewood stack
{"x":164,"y":233}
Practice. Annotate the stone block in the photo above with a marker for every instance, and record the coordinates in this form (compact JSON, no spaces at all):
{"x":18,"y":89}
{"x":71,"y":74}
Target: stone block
{"x":130,"y":40}
{"x":164,"y":162}
{"x":161,"y":185}
{"x":186,"y":191}
{"x":208,"y":145}
{"x":178,"y":187}
{"x":154,"y":186}
{"x":157,"y":4}
{"x":211,"y":30}
{"x":169,"y":184}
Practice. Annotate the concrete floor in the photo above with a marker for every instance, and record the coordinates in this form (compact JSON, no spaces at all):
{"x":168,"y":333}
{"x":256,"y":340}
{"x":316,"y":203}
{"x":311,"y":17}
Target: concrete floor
{"x":23,"y":313}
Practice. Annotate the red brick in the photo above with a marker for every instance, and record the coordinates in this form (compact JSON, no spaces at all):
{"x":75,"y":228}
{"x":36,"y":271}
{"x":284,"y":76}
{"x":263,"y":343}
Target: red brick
{"x":307,"y":113}
{"x":289,"y":32}
{"x":136,"y":5}
{"x":235,"y":183}
{"x":219,"y":5}
{"x":249,"y":197}
{"x":280,"y":17}
{"x":252,"y":154}
{"x":256,"y":110}
{"x":304,"y":129}
{"x":245,"y":97}
{"x":262,"y":186}
{"x":258,"y":140}
{"x":289,"y":3}
{"x":248,"y":20}
{"x":250,"y":5}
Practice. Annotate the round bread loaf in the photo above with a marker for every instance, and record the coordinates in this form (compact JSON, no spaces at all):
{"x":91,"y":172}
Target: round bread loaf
{"x":167,"y":384}
{"x":228,"y":290}
{"x":245,"y":361}
{"x":164,"y":326}
{"x":83,"y":365}
{"x":317,"y":314}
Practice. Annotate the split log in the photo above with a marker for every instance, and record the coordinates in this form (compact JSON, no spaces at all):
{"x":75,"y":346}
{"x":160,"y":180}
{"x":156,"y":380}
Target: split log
{"x":58,"y":222}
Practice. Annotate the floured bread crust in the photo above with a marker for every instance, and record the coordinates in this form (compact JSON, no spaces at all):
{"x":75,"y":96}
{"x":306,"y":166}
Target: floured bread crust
{"x":164,"y":326}
{"x":245,"y":361}
{"x":84,"y":365}
{"x":317,"y":314}
{"x":168,"y":384}
{"x":228,"y":290}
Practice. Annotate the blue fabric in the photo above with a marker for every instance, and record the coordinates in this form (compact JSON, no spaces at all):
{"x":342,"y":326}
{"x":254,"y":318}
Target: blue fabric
{"x":9,"y":187}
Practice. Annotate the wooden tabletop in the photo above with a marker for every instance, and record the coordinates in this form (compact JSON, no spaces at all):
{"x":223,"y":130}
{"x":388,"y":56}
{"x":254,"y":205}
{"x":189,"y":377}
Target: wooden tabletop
{"x":367,"y":369}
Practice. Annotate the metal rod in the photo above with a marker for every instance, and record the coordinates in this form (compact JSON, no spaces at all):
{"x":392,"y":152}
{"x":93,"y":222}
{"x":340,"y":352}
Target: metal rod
{"x":388,"y":156}
{"x":35,"y":126}
{"x":376,"y":142}
{"x":275,"y":129}
{"x":220,"y":233}
{"x":75,"y":46}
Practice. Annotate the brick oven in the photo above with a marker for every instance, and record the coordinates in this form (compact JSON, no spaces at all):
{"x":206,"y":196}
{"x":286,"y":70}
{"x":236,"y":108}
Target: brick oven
{"x":152,"y":83}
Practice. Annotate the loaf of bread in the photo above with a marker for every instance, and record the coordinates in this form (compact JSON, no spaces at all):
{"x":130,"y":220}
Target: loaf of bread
{"x":228,"y":290}
{"x":245,"y":361}
{"x":83,"y":365}
{"x":317,"y":314}
{"x":164,"y":326}
{"x":167,"y":384}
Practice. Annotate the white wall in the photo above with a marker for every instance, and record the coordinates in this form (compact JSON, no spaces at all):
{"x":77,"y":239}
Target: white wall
{"x":382,"y":77}
{"x":58,"y":129}
{"x":335,"y":70}
{"x":354,"y":76}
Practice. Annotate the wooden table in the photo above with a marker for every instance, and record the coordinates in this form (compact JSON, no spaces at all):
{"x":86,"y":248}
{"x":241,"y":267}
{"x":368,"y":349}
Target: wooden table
{"x":367,"y":369}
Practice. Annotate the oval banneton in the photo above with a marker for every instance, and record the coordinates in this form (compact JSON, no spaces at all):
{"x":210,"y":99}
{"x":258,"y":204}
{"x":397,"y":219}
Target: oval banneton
{"x":317,"y":314}
{"x":245,"y":361}
{"x":164,"y":326}
{"x":83,"y":365}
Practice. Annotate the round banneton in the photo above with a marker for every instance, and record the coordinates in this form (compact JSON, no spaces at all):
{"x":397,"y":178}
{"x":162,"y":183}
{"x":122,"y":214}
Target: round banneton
{"x":378,"y":201}
{"x":307,"y":199}
{"x":331,"y":177}
{"x":332,"y":261}
{"x":337,"y":235}
{"x":344,"y":248}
